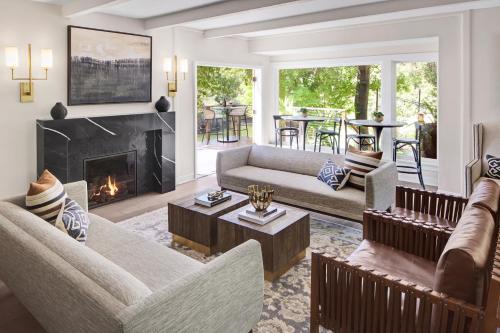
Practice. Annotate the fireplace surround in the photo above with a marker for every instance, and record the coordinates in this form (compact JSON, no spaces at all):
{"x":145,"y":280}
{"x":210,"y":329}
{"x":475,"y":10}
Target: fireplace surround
{"x":68,"y":147}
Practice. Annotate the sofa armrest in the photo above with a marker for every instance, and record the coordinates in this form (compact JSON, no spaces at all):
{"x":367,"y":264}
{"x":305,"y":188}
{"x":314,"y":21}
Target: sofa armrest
{"x":78,"y":192}
{"x":380,"y":186}
{"x":425,"y":240}
{"x":230,"y":159}
{"x":224,"y":296}
{"x":472,"y":174}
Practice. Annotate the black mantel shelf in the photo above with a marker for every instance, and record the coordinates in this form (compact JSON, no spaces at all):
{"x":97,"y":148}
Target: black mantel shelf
{"x":64,"y":145}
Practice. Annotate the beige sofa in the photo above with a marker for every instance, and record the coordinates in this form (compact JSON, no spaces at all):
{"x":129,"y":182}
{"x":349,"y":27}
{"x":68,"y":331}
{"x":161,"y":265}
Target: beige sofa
{"x":486,"y":140}
{"x":293,"y":175}
{"x":120,"y":282}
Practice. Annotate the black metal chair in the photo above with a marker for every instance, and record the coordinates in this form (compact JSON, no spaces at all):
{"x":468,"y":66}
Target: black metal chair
{"x":362,"y":140}
{"x":329,"y":129}
{"x":414,"y":144}
{"x":284,"y":128}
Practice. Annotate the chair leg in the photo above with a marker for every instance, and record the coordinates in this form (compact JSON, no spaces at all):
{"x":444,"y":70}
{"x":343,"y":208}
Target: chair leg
{"x":246,"y":124}
{"x":315,"y":141}
{"x":419,"y":166}
{"x":394,"y":151}
{"x":297,"y":141}
{"x":320,"y":141}
{"x":281,"y":140}
{"x":275,"y":138}
{"x":332,"y":139}
{"x":337,"y":140}
{"x":291,"y":141}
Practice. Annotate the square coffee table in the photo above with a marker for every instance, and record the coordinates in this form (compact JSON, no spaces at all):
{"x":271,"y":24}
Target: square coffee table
{"x":284,"y":241}
{"x":195,"y":226}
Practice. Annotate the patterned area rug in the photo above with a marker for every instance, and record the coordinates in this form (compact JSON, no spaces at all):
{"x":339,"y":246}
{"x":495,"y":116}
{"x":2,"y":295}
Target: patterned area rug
{"x":286,"y":301}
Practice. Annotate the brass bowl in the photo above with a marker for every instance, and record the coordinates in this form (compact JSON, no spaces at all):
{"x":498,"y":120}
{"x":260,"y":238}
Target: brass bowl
{"x":260,"y":198}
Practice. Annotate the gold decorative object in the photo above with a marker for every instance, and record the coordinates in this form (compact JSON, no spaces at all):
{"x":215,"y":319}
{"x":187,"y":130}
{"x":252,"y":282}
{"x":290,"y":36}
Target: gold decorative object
{"x":260,"y":197}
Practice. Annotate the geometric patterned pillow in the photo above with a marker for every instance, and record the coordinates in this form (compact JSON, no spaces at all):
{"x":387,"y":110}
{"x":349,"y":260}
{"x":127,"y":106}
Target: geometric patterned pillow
{"x":493,"y":166}
{"x":46,"y":197}
{"x":333,"y":175}
{"x":73,"y":220}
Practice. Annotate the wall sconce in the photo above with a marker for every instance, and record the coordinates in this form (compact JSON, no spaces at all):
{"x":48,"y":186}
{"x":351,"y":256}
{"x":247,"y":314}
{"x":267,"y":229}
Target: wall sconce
{"x":170,"y":68}
{"x":12,"y":61}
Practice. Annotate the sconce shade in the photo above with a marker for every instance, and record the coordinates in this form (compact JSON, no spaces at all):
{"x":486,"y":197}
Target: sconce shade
{"x":11,"y":57}
{"x":183,"y":67}
{"x":46,"y":58}
{"x":167,"y":65}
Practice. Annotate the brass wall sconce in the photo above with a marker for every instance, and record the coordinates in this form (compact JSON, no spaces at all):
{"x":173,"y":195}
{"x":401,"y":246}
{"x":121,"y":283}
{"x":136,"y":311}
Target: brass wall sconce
{"x":26,"y":93}
{"x":170,"y":68}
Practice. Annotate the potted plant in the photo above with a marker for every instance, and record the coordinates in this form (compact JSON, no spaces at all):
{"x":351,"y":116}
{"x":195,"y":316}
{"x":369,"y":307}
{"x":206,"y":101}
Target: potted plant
{"x":303,"y":112}
{"x":378,"y":116}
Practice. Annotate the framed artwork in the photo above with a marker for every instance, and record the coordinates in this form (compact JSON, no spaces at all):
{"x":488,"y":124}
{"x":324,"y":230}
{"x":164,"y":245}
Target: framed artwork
{"x":108,"y":67}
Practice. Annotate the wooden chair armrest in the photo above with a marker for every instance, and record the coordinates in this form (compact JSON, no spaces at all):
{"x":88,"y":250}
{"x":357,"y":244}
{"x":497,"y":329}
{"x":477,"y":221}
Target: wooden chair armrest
{"x":447,"y":206}
{"x":425,"y":240}
{"x":350,"y":298}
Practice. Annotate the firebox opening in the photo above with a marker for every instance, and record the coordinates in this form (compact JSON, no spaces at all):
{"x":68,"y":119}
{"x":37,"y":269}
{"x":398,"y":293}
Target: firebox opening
{"x":111,"y":178}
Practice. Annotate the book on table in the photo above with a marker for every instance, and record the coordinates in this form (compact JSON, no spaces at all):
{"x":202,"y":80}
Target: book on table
{"x":260,"y":219}
{"x":203,"y":200}
{"x":262,"y":213}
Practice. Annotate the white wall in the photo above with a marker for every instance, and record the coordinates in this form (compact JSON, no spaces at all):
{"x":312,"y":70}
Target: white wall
{"x":24,"y":21}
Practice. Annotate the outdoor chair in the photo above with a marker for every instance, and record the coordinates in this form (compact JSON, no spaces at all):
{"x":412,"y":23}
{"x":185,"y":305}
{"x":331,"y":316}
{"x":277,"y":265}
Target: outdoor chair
{"x":284,"y":128}
{"x":414,"y":144}
{"x":408,"y":276}
{"x":329,"y":129}
{"x":210,"y":122}
{"x":237,"y":114}
{"x":362,"y":140}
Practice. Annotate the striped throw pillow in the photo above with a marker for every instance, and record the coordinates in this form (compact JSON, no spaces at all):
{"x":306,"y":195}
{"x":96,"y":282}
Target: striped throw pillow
{"x":361,"y":163}
{"x":46,"y":197}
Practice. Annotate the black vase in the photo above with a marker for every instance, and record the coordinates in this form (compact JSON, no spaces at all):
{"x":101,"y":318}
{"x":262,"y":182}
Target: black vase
{"x":162,"y":105}
{"x":59,"y":111}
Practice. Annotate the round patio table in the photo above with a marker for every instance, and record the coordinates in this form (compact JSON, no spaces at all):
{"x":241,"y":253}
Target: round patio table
{"x":226,"y":110}
{"x":378,"y":127}
{"x":305,"y":120}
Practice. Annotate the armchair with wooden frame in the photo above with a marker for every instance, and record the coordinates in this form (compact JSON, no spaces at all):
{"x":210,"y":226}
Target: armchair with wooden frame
{"x":409,"y":276}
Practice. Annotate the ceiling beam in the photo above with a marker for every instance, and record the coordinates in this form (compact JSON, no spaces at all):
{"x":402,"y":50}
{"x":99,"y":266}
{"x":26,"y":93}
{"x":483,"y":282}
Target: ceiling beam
{"x":210,"y":11}
{"x":368,"y":13}
{"x":81,"y":7}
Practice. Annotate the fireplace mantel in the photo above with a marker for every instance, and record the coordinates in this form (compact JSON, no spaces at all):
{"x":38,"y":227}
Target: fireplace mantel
{"x":64,"y":145}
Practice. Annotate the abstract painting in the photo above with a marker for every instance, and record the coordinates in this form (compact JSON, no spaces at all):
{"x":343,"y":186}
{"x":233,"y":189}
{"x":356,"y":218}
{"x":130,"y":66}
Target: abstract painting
{"x":108,"y":67}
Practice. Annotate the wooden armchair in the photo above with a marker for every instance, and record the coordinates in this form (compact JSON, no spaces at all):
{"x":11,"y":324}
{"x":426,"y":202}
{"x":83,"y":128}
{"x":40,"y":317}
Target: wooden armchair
{"x":356,"y":295}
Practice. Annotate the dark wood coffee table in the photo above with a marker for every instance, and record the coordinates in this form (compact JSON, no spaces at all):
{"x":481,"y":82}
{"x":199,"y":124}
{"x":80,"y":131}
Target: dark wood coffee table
{"x":284,"y":241}
{"x":195,"y":226}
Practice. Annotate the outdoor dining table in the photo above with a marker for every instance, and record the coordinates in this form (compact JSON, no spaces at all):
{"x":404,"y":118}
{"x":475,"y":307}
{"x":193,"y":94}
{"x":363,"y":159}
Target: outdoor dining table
{"x":305,"y":120}
{"x":377,"y":126}
{"x":226,"y":138}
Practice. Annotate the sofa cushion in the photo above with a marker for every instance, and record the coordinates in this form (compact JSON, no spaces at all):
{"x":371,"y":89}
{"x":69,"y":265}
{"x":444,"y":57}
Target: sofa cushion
{"x":150,"y":262}
{"x":333,"y":175}
{"x":386,"y":259}
{"x":46,"y":197}
{"x":295,"y":161}
{"x":486,"y":195}
{"x":493,"y":167}
{"x":115,"y":280}
{"x":361,"y":163}
{"x":461,"y":269}
{"x":73,"y":220}
{"x":298,"y":189}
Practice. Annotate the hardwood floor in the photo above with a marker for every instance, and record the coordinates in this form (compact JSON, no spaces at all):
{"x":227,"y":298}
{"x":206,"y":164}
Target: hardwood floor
{"x":14,"y":318}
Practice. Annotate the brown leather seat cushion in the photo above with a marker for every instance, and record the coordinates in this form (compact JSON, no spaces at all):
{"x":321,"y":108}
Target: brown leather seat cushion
{"x":487,"y":195}
{"x":461,"y":269}
{"x":386,"y":259}
{"x":425,"y":218}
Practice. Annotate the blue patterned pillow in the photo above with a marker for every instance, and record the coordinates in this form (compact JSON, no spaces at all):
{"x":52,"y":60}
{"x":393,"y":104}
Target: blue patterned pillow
{"x":333,"y":175}
{"x":73,"y":220}
{"x":493,"y":166}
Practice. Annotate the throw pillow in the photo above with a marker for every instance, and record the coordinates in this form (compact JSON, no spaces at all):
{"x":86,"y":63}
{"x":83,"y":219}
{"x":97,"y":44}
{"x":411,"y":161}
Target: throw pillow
{"x":46,"y":197}
{"x":73,"y":220}
{"x":493,"y":166}
{"x":361,"y":163}
{"x":333,"y":175}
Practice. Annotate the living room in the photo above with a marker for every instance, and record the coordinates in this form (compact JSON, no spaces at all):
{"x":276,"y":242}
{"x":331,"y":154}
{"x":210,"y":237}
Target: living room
{"x":175,"y":145}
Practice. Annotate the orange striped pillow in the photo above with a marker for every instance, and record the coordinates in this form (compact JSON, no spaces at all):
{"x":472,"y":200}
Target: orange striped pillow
{"x":46,"y":197}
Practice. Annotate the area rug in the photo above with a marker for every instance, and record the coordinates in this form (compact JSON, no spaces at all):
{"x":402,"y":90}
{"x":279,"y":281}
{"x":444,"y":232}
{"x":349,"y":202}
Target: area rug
{"x":286,"y":301}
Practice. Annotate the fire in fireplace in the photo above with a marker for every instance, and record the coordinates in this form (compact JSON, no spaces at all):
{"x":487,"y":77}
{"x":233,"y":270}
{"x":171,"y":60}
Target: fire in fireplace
{"x":111,"y":178}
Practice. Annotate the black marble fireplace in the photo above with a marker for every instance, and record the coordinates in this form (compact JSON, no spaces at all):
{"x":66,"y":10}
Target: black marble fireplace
{"x":119,"y":156}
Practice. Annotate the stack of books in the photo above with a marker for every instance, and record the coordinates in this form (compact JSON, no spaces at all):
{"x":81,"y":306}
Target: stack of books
{"x":203,"y":200}
{"x":261,"y":217}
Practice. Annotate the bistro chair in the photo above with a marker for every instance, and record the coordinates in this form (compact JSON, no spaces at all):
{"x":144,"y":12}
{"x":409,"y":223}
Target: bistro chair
{"x":362,"y":140}
{"x":329,"y":129}
{"x":210,"y":122}
{"x":414,"y":144}
{"x":284,"y":128}
{"x":239,"y":113}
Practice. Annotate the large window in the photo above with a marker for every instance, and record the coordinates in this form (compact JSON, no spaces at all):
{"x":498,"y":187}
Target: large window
{"x":417,"y":94}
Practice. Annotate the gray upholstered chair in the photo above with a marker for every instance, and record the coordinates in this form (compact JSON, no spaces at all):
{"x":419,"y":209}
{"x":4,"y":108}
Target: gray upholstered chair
{"x":486,"y":140}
